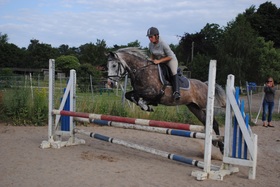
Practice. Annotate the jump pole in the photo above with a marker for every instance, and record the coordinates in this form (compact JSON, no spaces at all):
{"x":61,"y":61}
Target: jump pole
{"x":146,"y":122}
{"x":164,"y":154}
{"x":160,"y":130}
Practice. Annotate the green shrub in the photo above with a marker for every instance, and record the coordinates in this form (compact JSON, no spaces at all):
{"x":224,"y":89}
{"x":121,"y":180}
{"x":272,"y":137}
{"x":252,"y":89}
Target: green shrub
{"x":15,"y":103}
{"x":39,"y":107}
{"x":21,"y":109}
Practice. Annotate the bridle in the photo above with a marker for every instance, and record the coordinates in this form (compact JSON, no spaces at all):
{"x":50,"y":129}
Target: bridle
{"x":121,"y":72}
{"x":121,"y":67}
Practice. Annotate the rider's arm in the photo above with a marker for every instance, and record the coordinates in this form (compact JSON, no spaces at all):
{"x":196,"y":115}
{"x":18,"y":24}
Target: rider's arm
{"x":152,"y":57}
{"x":167,"y":51}
{"x":162,"y":60}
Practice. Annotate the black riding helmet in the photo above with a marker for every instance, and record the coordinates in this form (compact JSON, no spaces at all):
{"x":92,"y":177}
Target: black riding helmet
{"x":152,"y":31}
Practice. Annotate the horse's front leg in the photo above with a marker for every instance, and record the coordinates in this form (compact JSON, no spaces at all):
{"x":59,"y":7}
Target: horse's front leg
{"x":131,"y":96}
{"x":134,"y":97}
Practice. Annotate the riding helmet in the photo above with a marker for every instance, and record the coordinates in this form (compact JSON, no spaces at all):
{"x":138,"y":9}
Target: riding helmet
{"x":152,"y":31}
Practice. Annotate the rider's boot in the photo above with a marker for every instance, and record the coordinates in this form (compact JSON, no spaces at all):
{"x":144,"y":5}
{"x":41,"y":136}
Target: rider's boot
{"x":175,"y":85}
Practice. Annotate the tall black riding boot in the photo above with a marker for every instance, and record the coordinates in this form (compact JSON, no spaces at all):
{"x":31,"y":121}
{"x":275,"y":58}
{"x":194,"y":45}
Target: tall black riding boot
{"x":175,"y":85}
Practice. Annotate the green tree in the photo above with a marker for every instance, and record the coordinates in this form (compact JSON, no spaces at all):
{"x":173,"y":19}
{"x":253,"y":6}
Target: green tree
{"x":67,"y":62}
{"x":11,"y":56}
{"x":236,"y":51}
{"x":3,"y":38}
{"x":84,"y":72}
{"x":194,"y":49}
{"x":38,"y":54}
{"x":94,"y":54}
{"x":66,"y":50}
{"x":266,"y":21}
{"x":136,"y":43}
{"x":269,"y":59}
{"x":212,"y":34}
{"x":200,"y":67}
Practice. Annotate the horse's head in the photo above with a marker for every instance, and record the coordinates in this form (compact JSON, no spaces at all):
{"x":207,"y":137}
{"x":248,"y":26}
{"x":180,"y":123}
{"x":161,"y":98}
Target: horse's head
{"x":116,"y":69}
{"x":124,"y":60}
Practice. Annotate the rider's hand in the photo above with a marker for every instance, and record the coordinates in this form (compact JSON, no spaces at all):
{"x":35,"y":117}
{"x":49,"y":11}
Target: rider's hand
{"x":156,"y":61}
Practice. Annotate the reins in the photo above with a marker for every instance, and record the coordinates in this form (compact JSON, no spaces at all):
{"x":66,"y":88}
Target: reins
{"x":136,"y":71}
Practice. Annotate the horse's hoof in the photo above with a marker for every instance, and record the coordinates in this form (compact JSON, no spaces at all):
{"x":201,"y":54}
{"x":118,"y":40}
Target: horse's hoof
{"x":150,"y":109}
{"x":221,"y":146}
{"x":215,"y":143}
{"x":145,"y":108}
{"x":143,"y":105}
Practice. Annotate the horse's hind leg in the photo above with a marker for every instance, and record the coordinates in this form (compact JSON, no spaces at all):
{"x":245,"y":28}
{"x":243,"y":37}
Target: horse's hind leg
{"x":216,"y":129}
{"x":201,"y":116}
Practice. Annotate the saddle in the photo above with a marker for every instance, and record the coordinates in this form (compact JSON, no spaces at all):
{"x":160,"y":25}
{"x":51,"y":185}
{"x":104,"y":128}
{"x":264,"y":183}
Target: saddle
{"x":165,"y":77}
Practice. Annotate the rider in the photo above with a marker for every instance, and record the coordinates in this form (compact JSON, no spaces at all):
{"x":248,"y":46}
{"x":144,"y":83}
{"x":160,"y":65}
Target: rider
{"x":161,"y":53}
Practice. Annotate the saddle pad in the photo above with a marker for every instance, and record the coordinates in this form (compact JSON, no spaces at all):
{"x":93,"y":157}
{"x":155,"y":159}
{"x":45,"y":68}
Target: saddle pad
{"x":184,"y":82}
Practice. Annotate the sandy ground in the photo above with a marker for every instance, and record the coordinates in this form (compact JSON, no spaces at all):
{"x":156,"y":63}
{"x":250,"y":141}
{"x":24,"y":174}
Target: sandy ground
{"x":102,"y":164}
{"x":98,"y":163}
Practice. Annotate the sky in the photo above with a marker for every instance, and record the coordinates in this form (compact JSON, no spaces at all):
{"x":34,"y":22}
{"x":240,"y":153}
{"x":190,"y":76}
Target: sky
{"x":117,"y":22}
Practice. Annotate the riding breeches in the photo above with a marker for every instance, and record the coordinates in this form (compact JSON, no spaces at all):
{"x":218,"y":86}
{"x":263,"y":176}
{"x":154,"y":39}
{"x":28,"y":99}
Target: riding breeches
{"x":173,"y":65}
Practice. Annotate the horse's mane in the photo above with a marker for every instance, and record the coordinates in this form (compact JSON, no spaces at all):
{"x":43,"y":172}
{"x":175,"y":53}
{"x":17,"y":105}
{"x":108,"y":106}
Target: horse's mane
{"x":133,"y":52}
{"x":140,"y":53}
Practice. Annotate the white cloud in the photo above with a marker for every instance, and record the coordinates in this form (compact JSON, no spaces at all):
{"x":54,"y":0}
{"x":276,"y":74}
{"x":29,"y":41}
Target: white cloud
{"x":76,"y":22}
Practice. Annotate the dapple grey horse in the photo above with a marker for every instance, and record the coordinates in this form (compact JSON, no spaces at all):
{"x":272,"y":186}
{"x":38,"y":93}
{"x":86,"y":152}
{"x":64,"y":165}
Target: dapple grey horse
{"x":148,"y":88}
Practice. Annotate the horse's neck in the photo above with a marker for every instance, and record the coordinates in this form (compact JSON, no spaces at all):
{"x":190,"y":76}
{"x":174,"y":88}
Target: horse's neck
{"x":145,"y":72}
{"x":135,"y":64}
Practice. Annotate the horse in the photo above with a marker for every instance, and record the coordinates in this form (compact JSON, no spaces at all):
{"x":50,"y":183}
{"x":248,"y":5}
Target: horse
{"x":149,"y":89}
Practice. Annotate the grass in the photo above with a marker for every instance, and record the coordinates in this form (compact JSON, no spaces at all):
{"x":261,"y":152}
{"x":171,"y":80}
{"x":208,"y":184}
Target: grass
{"x":21,"y":106}
{"x":111,"y":104}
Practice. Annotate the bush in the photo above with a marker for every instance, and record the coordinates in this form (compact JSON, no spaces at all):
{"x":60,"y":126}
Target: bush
{"x":39,"y":107}
{"x":21,"y":108}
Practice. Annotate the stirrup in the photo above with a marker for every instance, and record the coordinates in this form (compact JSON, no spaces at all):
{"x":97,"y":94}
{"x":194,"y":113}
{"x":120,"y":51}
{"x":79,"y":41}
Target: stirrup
{"x":176,"y":95}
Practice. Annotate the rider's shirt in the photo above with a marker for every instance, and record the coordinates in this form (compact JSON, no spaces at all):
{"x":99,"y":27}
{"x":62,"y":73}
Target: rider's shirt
{"x":161,"y":50}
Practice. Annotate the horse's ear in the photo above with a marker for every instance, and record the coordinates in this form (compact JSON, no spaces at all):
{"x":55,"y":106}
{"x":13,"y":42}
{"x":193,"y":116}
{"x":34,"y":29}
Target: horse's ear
{"x":110,"y":54}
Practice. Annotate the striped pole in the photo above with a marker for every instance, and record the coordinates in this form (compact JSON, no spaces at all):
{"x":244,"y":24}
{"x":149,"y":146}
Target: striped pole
{"x":144,"y":122}
{"x":160,"y":130}
{"x":164,"y":154}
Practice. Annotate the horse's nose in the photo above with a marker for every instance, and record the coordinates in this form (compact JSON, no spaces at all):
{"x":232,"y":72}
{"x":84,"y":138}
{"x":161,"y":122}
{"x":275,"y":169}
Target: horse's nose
{"x":110,"y":83}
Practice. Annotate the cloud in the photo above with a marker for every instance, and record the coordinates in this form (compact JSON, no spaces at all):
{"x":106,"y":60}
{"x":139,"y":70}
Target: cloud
{"x":76,"y":22}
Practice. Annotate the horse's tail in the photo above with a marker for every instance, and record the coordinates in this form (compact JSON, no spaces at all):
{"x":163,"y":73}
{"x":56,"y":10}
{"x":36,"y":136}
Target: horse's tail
{"x":220,"y":95}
